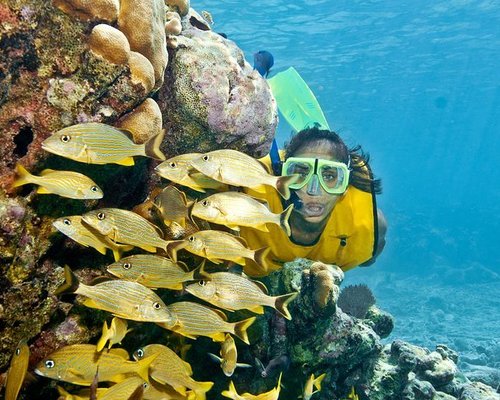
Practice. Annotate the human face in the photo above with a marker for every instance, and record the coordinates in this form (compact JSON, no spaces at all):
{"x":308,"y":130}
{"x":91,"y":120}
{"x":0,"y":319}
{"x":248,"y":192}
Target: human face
{"x":317,"y":204}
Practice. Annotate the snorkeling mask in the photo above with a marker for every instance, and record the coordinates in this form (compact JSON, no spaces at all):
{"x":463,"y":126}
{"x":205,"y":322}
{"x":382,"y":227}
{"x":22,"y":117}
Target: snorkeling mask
{"x":333,"y":176}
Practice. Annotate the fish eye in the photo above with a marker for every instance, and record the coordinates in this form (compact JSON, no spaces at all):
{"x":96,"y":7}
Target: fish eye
{"x":140,"y":353}
{"x":18,"y":351}
{"x":202,"y":283}
{"x":94,"y":188}
{"x":173,"y":164}
{"x":191,"y":238}
{"x":50,"y":364}
{"x":65,"y":138}
{"x":206,"y":157}
{"x":204,"y":203}
{"x":156,"y":305}
{"x":127,"y":265}
{"x":145,"y":385}
{"x":101,"y":216}
{"x":66,"y":221}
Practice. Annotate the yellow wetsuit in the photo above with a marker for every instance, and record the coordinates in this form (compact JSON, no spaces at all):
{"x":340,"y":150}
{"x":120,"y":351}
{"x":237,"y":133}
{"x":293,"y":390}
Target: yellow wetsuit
{"x":348,"y":240}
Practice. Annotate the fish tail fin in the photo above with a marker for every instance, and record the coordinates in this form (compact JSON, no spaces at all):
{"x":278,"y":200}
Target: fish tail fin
{"x":23,"y":176}
{"x":284,"y":216}
{"x":120,"y":249}
{"x":231,"y":392}
{"x":317,"y":381}
{"x":201,"y":389}
{"x":70,"y":284}
{"x":199,"y":273}
{"x":152,"y":146}
{"x":240,"y":328}
{"x":104,"y":337}
{"x":283,"y":183}
{"x":142,"y":368}
{"x":281,"y":303}
{"x":261,"y":257}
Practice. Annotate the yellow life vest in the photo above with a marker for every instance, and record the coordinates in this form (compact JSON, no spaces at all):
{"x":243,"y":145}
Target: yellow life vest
{"x":348,"y":240}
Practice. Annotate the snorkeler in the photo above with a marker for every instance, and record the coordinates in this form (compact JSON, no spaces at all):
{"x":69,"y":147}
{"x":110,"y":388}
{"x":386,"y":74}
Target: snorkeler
{"x":335,"y":218}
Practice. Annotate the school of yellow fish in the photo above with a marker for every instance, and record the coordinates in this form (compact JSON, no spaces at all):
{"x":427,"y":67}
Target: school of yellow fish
{"x":156,"y":371}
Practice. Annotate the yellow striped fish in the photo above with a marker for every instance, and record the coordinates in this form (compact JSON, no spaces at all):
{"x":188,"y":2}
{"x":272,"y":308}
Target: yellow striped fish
{"x":126,"y":227}
{"x":83,"y":394}
{"x":194,"y":320}
{"x":239,"y":169}
{"x":154,"y":271}
{"x":173,"y":206}
{"x":124,"y":389}
{"x":218,"y":246}
{"x":115,"y":333}
{"x":78,"y":364}
{"x":273,"y":394}
{"x":170,"y":369}
{"x":235,"y":292}
{"x":313,"y":385}
{"x":235,"y":209}
{"x":157,"y":391}
{"x":179,"y":170}
{"x":17,"y":370}
{"x":96,"y":143}
{"x":228,"y":359}
{"x":128,"y":300}
{"x":68,"y":184}
{"x":72,"y":227}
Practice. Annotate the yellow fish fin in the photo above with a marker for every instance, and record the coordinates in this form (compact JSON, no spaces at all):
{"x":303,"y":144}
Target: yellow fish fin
{"x":91,"y":303}
{"x":218,"y":337}
{"x":101,"y":249}
{"x":178,"y":388}
{"x":262,"y":228}
{"x":284,"y":217}
{"x":240,"y":329}
{"x":104,"y":337}
{"x":221,"y":314}
{"x":70,"y":284}
{"x":317,"y":382}
{"x":201,"y":388}
{"x":231,"y":392}
{"x":23,"y":176}
{"x":234,"y":227}
{"x":281,"y":304}
{"x":142,"y":366}
{"x":146,"y":247}
{"x":152,"y":146}
{"x":42,"y":190}
{"x":261,"y":286}
{"x":257,"y":310}
{"x":283,"y":183}
{"x":46,"y":171}
{"x":127,"y":161}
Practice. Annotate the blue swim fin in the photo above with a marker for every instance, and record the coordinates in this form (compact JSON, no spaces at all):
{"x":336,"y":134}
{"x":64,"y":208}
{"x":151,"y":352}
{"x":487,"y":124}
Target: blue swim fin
{"x":296,"y":101}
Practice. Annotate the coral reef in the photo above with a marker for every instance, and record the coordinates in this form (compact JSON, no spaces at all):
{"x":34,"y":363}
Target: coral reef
{"x":213,"y":97}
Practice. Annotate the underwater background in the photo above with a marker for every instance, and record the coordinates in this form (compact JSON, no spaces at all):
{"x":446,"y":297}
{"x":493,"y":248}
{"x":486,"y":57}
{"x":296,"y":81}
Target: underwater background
{"x":416,"y":83}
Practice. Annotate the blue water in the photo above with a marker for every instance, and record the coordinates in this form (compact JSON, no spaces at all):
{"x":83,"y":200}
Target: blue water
{"x":417,"y":84}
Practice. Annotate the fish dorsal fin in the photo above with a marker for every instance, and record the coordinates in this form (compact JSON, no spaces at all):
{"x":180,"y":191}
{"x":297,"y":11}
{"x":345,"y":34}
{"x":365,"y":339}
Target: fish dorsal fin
{"x":241,"y":240}
{"x":47,"y":171}
{"x":220,"y":313}
{"x":261,"y":286}
{"x":127,"y":133}
{"x":100,"y":279}
{"x":117,"y":351}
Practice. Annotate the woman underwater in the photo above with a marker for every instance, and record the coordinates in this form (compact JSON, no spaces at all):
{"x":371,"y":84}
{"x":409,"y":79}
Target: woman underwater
{"x":335,"y":219}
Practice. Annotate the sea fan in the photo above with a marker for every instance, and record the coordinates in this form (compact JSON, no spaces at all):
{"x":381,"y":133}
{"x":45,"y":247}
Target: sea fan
{"x":355,"y":300}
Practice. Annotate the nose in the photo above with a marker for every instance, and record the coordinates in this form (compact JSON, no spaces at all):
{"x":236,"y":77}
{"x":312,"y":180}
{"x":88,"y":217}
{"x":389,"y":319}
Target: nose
{"x":313,"y":187}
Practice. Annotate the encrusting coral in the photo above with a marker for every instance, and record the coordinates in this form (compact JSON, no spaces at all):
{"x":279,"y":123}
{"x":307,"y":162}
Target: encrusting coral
{"x":181,"y":6}
{"x":143,"y":122}
{"x":173,"y":25}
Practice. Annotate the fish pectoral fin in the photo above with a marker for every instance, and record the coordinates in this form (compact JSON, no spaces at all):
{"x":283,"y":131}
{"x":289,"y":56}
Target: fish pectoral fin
{"x":42,"y":190}
{"x":218,"y":337}
{"x":76,"y":373}
{"x":127,"y":161}
{"x":257,"y":310}
{"x":90,"y":303}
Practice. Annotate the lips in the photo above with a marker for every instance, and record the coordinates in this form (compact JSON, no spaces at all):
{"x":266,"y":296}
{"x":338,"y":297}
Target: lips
{"x":312,"y":209}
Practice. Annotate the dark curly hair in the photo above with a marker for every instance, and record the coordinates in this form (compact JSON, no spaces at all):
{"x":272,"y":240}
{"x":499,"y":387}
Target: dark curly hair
{"x":361,"y":175}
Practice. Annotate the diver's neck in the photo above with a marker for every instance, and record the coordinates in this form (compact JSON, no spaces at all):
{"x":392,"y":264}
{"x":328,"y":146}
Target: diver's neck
{"x":304,"y":232}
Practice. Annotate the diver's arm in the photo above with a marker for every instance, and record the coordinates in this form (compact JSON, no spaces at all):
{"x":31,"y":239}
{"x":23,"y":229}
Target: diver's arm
{"x":382,"y":229}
